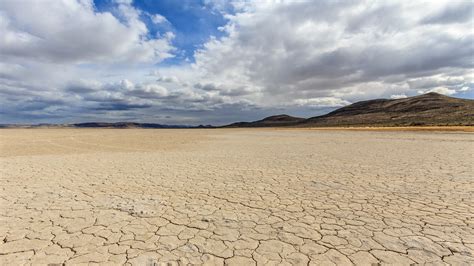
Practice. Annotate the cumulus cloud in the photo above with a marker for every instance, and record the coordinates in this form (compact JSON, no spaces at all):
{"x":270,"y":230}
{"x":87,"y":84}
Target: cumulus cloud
{"x":456,"y":12}
{"x":158,"y":19}
{"x":321,"y":102}
{"x":442,"y":90}
{"x":168,"y":79}
{"x":398,"y":96}
{"x":70,"y":31}
{"x":301,"y":56}
{"x":321,"y":49}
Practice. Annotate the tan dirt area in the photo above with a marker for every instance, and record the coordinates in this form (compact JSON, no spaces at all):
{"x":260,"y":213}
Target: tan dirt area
{"x":236,"y":197}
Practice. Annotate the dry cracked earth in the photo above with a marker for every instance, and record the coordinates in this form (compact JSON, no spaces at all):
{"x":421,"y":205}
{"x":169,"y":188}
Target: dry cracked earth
{"x":235,"y":197}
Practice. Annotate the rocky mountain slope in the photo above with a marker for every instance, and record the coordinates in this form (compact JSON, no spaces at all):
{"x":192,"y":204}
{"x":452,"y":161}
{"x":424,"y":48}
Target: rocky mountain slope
{"x":431,"y":109}
{"x":271,"y":121}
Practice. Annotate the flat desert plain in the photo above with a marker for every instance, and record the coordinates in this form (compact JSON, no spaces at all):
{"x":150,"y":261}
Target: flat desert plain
{"x":236,"y":197}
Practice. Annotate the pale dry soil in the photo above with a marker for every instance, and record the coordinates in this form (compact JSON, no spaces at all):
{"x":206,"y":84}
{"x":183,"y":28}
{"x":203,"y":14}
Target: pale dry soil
{"x":236,"y":197}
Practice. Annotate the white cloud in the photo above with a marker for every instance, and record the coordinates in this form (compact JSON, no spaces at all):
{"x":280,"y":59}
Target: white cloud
{"x":70,"y":31}
{"x":168,"y":79}
{"x":158,"y":19}
{"x":321,"y":102}
{"x":442,"y":90}
{"x":398,"y":96}
{"x":335,"y":49}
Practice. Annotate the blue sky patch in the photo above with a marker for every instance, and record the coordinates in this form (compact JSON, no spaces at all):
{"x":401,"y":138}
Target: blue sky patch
{"x":192,"y":22}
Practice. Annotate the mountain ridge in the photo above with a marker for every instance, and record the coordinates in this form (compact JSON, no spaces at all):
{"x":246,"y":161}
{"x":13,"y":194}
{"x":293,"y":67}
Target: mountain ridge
{"x":270,"y":121}
{"x":430,"y":109}
{"x":117,"y":125}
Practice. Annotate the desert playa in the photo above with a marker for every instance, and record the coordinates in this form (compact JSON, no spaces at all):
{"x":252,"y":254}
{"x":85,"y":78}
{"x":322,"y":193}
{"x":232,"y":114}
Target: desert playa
{"x":236,"y":197}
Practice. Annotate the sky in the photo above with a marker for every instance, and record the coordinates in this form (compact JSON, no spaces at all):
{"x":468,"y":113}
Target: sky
{"x":214,"y":62}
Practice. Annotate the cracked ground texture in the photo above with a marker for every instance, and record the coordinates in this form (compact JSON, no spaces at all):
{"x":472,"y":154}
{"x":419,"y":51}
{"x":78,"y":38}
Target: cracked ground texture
{"x":235,"y":197}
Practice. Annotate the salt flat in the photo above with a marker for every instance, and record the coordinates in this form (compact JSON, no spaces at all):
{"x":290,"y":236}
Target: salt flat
{"x":236,"y":197}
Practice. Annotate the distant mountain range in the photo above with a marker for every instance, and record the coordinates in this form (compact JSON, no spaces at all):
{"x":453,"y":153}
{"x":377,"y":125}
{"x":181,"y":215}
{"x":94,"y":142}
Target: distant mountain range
{"x":431,"y":109}
{"x":126,"y":125}
{"x":271,"y":121}
{"x":104,"y":125}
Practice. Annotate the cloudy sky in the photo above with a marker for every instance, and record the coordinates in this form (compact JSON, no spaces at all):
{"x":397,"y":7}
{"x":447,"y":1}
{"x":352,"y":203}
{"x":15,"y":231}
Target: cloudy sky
{"x":199,"y":62}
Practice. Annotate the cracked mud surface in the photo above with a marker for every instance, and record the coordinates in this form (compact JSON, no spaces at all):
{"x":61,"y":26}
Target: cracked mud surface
{"x":236,"y":197}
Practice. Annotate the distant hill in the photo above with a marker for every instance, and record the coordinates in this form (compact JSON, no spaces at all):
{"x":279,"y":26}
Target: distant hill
{"x":271,"y":121}
{"x":125,"y":125}
{"x":103,"y":125}
{"x":431,"y":109}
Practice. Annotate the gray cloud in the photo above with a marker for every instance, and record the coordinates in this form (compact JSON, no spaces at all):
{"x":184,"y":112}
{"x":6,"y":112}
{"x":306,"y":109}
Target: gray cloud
{"x":71,"y":31}
{"x":120,"y":106}
{"x":312,"y":55}
{"x":456,"y":12}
